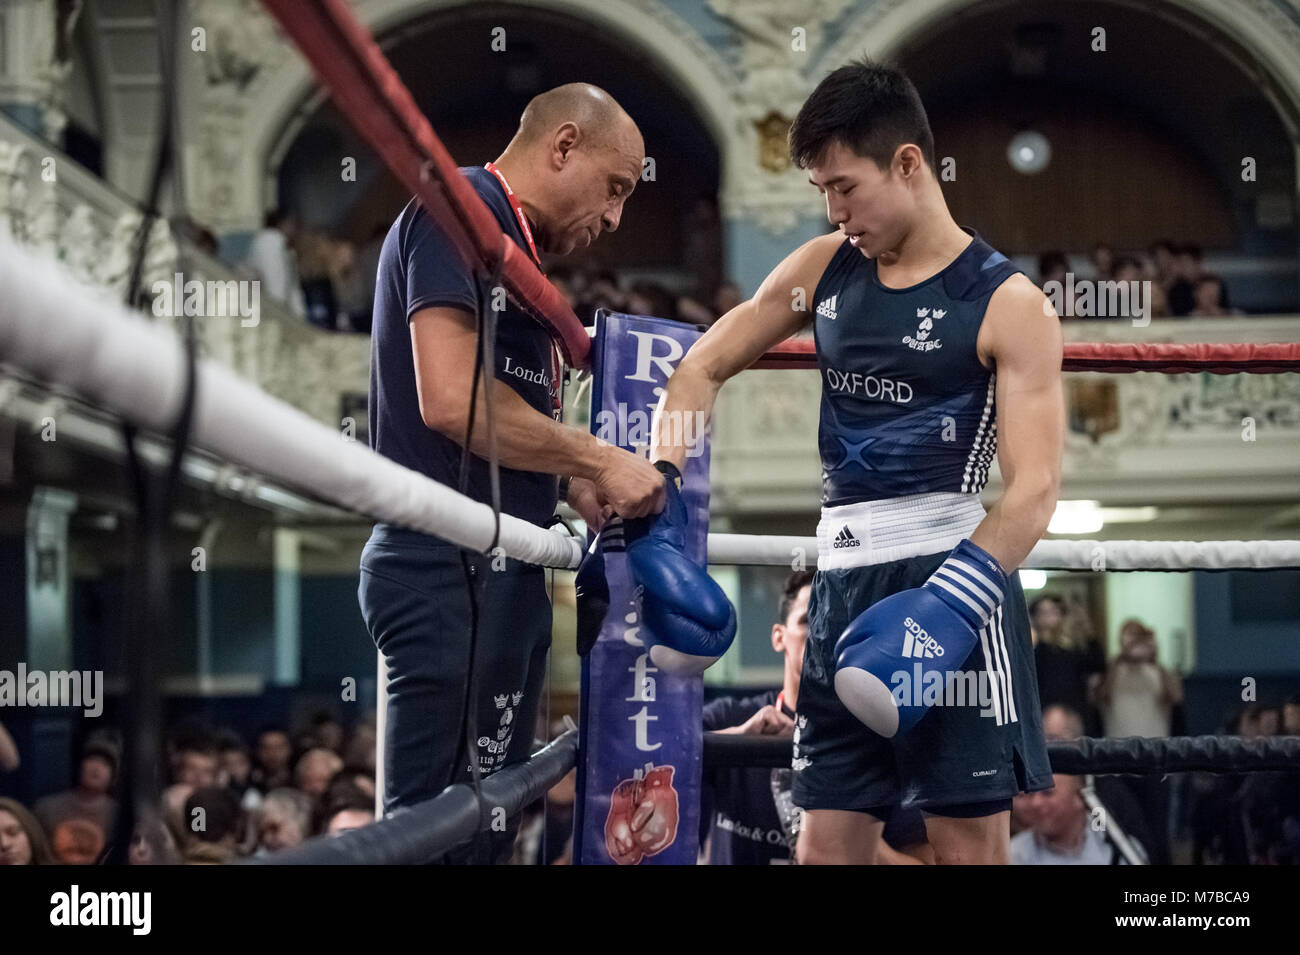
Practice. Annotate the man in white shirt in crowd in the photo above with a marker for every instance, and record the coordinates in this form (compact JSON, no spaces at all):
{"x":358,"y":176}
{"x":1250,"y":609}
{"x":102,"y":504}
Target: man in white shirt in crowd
{"x":271,"y":257}
{"x":1061,"y":832}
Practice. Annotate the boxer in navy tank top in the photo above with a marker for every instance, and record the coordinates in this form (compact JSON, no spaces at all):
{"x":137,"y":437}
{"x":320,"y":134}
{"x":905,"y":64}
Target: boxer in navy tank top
{"x":937,"y":359}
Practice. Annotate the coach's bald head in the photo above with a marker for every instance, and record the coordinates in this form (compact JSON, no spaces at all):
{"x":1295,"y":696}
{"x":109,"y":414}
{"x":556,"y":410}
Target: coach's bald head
{"x":573,"y":162}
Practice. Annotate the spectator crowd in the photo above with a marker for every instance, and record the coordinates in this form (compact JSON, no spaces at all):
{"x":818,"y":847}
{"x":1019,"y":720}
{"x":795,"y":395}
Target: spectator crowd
{"x":229,"y":798}
{"x":330,"y":281}
{"x":1180,"y":285}
{"x":1214,"y":819}
{"x":225,"y":799}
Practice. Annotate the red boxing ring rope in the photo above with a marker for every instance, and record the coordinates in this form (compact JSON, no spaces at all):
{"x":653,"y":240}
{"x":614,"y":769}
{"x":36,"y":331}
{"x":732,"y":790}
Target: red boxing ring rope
{"x":375,"y":101}
{"x":1120,"y":357}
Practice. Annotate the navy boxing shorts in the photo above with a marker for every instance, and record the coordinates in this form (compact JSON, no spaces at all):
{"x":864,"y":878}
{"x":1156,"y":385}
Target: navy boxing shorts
{"x":981,"y":745}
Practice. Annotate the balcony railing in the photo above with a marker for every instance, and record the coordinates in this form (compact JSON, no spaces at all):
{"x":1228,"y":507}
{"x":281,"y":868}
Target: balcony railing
{"x":53,"y":205}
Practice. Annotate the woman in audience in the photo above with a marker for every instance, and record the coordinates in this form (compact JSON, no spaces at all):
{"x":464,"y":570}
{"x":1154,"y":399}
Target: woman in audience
{"x":1068,"y":661}
{"x":22,"y":841}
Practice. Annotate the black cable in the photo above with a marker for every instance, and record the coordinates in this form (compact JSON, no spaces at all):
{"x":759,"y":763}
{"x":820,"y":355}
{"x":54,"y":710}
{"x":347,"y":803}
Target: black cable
{"x":148,"y":593}
{"x":484,"y":359}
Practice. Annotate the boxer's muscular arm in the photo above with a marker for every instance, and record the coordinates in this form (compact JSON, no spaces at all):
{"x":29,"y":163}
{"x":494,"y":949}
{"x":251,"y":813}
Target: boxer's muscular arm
{"x":443,"y":343}
{"x":1021,"y":338}
{"x":737,"y":340}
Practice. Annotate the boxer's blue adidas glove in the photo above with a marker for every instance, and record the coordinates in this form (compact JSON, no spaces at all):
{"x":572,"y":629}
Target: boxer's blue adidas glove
{"x":691,"y":622}
{"x":934,"y":626}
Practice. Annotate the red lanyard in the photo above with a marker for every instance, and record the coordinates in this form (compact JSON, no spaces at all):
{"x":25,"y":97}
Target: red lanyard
{"x":518,"y":209}
{"x":780,"y":702}
{"x":557,"y":362}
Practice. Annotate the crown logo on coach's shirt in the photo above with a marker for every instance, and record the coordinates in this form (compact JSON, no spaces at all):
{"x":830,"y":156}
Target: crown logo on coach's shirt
{"x":501,"y":701}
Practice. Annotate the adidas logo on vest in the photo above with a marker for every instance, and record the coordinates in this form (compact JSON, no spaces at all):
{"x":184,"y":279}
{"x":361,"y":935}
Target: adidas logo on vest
{"x":826,"y":308}
{"x":845,"y":538}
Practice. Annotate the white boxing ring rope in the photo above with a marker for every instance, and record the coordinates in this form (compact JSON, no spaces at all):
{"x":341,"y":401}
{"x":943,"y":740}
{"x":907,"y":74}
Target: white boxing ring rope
{"x":1047,"y":554}
{"x":71,"y":335}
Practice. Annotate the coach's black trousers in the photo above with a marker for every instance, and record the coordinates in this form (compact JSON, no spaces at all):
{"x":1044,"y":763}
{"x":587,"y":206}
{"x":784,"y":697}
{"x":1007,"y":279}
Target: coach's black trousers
{"x":416,"y":606}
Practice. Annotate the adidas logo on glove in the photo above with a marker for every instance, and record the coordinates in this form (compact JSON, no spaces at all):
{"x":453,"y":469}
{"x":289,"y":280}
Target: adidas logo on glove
{"x":917,"y":643}
{"x":845,"y":538}
{"x":941,"y":621}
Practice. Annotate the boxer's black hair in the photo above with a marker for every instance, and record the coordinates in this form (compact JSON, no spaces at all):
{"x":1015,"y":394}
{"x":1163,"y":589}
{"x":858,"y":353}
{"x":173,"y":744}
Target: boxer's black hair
{"x":789,"y":591}
{"x":867,"y":107}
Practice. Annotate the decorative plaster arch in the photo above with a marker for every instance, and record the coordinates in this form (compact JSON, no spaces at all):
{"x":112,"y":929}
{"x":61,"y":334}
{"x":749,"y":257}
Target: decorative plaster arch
{"x":1259,"y":26}
{"x":697,"y":71}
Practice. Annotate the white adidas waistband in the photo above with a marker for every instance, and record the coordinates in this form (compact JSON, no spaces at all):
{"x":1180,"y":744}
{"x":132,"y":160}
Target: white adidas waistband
{"x":876,"y":532}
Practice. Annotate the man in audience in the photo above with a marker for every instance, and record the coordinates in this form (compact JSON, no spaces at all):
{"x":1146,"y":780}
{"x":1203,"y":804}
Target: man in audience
{"x":213,"y":821}
{"x":1161,"y":256}
{"x":1210,"y":298}
{"x":197,"y":762}
{"x":744,"y":801}
{"x":236,"y":770}
{"x":1063,"y":830}
{"x":1137,"y":695}
{"x":349,"y":818}
{"x":80,"y":820}
{"x":274,"y":752}
{"x":1050,"y":820}
{"x":314,"y":771}
{"x":272,"y":260}
{"x":1186,"y":270}
{"x":346,"y":805}
{"x":283,"y":821}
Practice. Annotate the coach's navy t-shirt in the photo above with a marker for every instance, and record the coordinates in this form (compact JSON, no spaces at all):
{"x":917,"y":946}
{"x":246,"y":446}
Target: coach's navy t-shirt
{"x":419,"y":268}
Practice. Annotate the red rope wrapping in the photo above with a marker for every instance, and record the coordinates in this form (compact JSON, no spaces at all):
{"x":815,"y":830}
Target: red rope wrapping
{"x":371,"y":95}
{"x":1119,"y":357}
